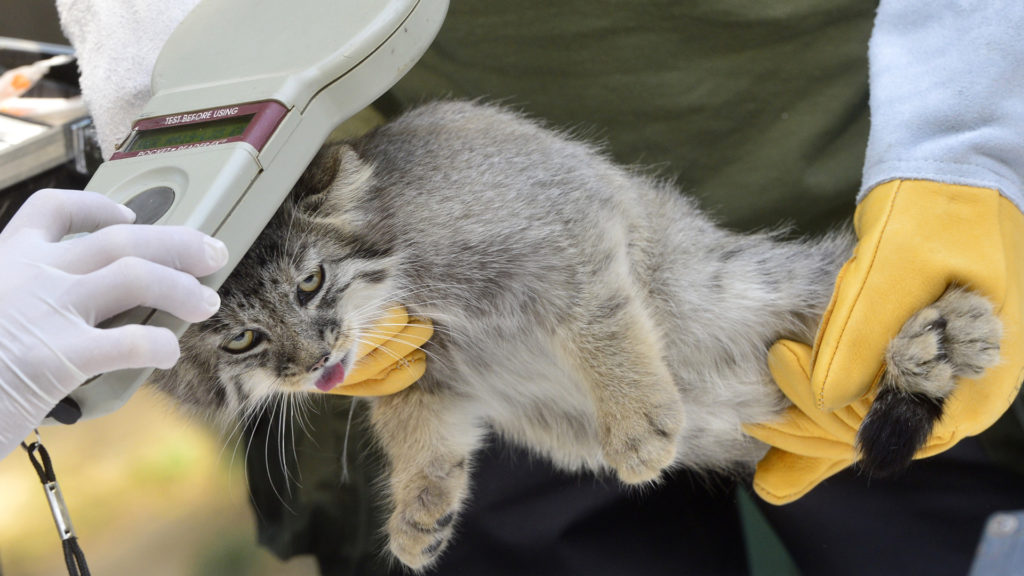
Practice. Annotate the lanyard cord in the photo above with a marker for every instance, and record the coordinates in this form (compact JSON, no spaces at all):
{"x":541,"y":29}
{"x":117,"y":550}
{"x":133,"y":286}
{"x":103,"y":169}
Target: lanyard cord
{"x":73,"y":555}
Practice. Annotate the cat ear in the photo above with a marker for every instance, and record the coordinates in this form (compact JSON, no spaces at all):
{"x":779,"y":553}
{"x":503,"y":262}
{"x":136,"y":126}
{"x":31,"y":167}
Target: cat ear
{"x":334,"y":181}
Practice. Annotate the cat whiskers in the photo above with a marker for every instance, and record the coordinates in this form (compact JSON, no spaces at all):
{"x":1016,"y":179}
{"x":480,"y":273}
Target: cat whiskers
{"x":287,"y":238}
{"x":250,"y":418}
{"x":305,"y":403}
{"x":365,"y":333}
{"x":241,"y":416}
{"x":394,"y":355}
{"x":344,"y":446}
{"x":405,"y":296}
{"x":381,"y":313}
{"x":287,"y":412}
{"x":274,"y":402}
{"x":263,"y":410}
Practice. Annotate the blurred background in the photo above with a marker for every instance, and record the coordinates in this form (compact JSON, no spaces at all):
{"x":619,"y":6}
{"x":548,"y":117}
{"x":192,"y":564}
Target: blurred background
{"x":149,"y":492}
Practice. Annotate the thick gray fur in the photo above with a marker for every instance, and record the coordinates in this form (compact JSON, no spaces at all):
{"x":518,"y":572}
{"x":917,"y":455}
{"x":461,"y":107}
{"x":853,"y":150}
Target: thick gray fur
{"x":587,"y":311}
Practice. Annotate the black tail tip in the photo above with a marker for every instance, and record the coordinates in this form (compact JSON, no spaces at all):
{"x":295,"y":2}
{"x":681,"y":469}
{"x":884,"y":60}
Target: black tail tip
{"x":896,"y":427}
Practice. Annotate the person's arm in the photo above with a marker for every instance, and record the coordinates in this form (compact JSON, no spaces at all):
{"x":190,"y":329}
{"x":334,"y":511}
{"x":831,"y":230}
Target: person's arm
{"x":940,"y":205}
{"x":55,"y":292}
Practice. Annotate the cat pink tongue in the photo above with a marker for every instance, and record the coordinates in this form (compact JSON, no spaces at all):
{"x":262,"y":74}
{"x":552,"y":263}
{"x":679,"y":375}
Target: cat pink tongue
{"x":331,"y":377}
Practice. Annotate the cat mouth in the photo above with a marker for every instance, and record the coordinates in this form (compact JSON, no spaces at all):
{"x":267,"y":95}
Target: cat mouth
{"x":331,"y":376}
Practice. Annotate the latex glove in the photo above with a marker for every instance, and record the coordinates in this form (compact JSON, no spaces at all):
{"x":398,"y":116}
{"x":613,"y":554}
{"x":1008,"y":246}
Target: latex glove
{"x":389,"y":358}
{"x":55,"y":292}
{"x":915,"y":239}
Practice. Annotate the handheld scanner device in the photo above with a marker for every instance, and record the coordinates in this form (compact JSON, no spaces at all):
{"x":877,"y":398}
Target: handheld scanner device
{"x":244,"y":94}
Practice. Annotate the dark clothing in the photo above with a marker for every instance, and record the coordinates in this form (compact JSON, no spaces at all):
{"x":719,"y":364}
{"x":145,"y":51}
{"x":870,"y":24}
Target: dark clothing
{"x":523,"y":517}
{"x":527,"y":519}
{"x":927,"y":521}
{"x":758,"y":108}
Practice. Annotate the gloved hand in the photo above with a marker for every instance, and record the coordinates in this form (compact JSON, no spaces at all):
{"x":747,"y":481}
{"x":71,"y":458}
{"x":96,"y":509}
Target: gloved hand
{"x":389,"y":358}
{"x":55,"y":292}
{"x":915,"y":239}
{"x":808,"y":444}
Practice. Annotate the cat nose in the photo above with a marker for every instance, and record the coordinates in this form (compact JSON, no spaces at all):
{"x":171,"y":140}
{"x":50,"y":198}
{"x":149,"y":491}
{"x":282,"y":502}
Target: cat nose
{"x":320,"y":363}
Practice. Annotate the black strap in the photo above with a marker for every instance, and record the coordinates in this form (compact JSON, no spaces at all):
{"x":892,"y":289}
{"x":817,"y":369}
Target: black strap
{"x":43,"y":465}
{"x":75,"y":558}
{"x":73,"y":555}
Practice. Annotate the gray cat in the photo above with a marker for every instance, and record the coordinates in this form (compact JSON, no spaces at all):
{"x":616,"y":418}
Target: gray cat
{"x":586,"y":311}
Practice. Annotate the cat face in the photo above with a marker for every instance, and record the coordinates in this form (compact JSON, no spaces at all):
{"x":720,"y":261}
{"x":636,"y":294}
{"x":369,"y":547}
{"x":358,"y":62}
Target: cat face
{"x":292,"y":315}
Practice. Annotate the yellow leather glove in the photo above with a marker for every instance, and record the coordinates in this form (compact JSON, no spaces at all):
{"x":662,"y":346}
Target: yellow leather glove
{"x":808,"y":444}
{"x":915,"y":239}
{"x":389,"y":358}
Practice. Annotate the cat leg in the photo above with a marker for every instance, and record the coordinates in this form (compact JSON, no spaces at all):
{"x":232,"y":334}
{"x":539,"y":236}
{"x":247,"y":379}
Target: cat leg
{"x":956,"y":337}
{"x":429,"y":440}
{"x":639,"y":409}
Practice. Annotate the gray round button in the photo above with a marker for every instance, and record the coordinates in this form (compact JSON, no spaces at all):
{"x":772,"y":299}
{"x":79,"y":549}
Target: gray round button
{"x":149,"y":205}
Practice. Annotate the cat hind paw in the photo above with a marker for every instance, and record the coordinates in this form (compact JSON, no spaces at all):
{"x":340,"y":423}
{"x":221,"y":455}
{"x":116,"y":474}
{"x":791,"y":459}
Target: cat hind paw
{"x":956,"y":337}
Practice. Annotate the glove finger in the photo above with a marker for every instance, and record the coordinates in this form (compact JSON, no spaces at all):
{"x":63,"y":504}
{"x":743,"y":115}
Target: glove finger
{"x":416,"y":333}
{"x":131,"y":282}
{"x":799,"y":435}
{"x":57,"y":213}
{"x":173,"y":246}
{"x":392,"y":321}
{"x":939,"y":441}
{"x":397,"y":377}
{"x":853,"y":414}
{"x":789,"y":364}
{"x":129,"y":346}
{"x":782,"y":477}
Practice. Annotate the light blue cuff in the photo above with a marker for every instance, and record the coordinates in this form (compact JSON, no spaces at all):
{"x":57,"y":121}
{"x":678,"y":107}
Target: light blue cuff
{"x":947,"y":94}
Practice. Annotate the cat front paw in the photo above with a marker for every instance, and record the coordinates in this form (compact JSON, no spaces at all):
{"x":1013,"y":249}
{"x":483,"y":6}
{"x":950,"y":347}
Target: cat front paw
{"x":426,"y":507}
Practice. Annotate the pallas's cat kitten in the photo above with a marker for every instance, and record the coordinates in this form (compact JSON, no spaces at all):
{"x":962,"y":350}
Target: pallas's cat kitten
{"x":583,"y":310}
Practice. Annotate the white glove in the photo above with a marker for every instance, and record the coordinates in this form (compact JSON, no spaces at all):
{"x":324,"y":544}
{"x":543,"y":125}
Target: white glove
{"x":54,"y":292}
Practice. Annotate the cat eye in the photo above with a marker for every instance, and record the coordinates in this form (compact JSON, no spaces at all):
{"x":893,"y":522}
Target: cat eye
{"x":310,"y":285}
{"x":245,"y":340}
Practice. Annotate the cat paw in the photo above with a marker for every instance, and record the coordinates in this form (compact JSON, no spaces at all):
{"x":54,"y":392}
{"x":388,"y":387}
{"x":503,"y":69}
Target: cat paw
{"x":423,"y":519}
{"x":972,"y":333}
{"x":640,"y":444}
{"x":957,"y":337}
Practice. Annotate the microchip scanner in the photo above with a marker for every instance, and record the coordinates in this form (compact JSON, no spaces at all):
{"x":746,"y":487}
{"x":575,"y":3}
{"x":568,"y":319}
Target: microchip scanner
{"x":244,"y":94}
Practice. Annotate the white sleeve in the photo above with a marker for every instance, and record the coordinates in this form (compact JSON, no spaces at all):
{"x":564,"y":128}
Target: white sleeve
{"x":947,"y":94}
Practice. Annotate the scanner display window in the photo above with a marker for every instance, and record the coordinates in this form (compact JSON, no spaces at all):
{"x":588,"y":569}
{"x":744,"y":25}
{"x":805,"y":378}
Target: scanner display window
{"x":190,"y":134}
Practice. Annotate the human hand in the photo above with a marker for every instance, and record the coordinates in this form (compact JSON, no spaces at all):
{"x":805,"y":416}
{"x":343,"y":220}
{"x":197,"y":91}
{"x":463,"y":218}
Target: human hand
{"x":55,"y":293}
{"x":915,"y":239}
